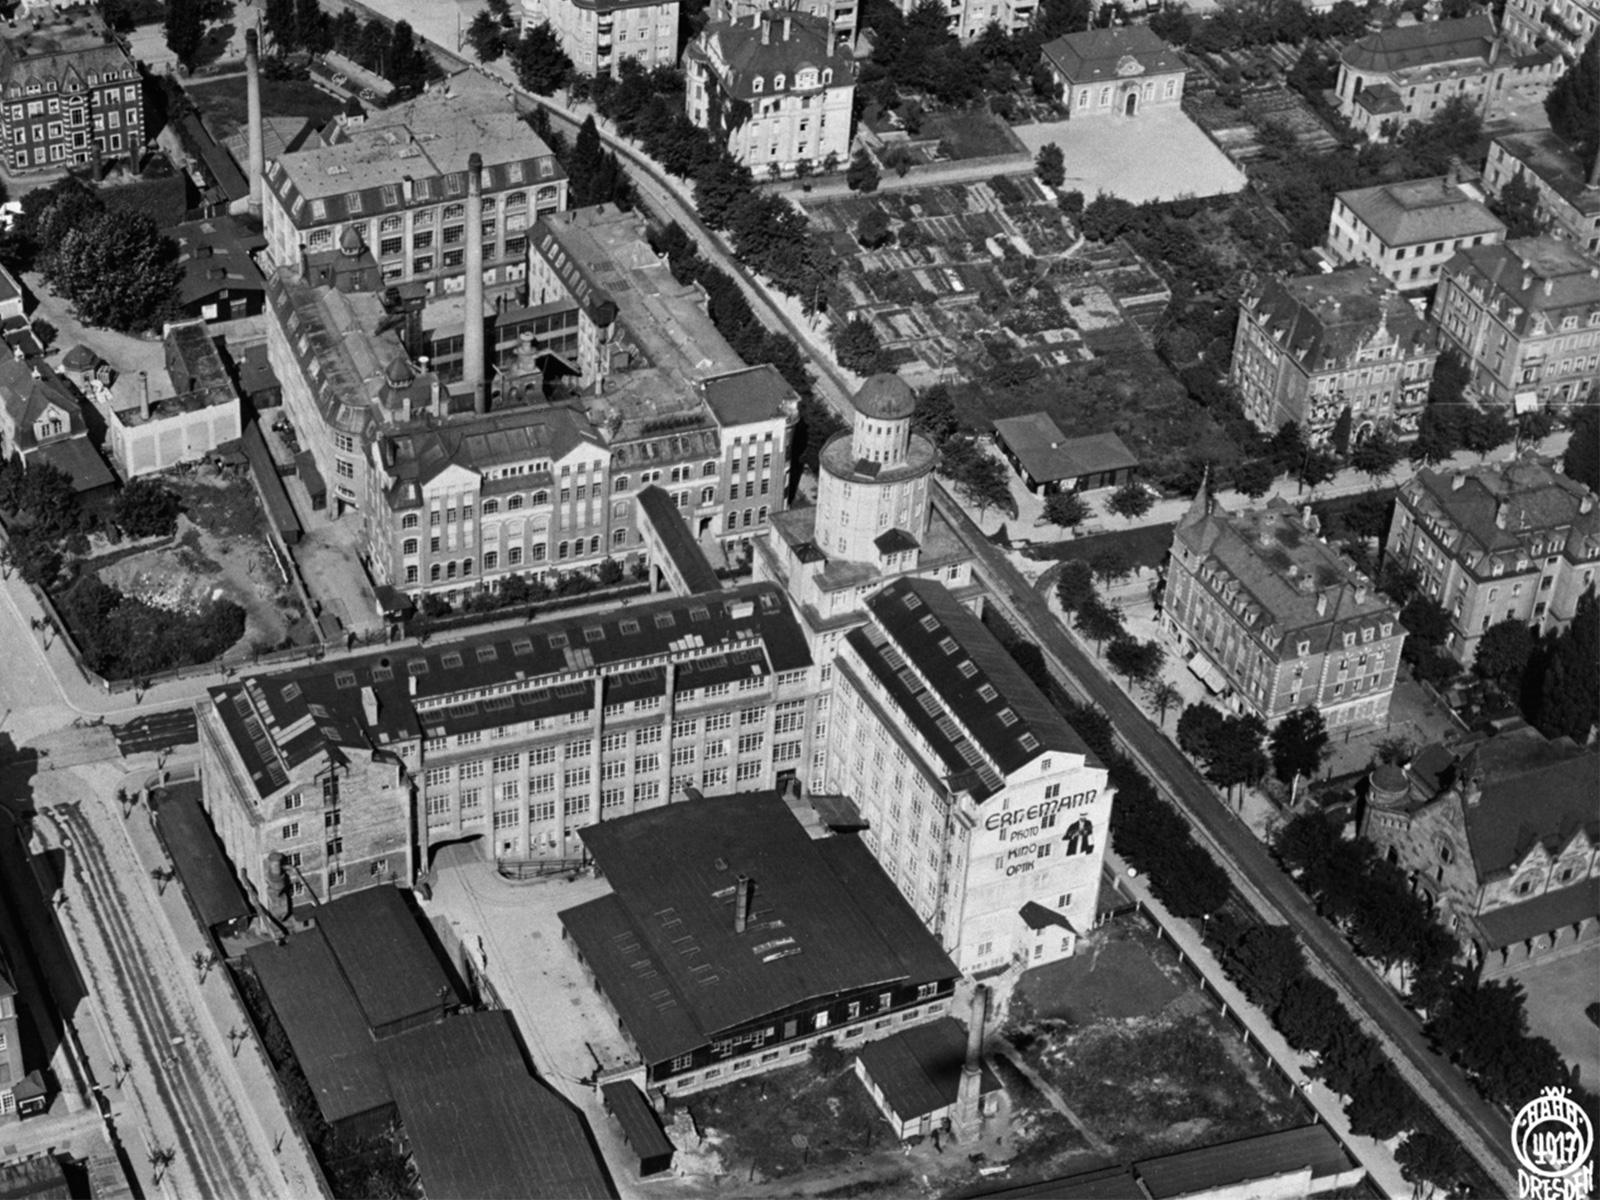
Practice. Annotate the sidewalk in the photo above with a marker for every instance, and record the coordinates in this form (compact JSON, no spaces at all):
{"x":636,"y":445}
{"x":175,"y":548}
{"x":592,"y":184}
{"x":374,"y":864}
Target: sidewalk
{"x":1376,"y":1157}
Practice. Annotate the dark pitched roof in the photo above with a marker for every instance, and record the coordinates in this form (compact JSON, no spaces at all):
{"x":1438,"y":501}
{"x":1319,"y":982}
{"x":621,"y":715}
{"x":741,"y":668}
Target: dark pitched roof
{"x":793,"y":41}
{"x":480,"y":1126}
{"x":80,"y":460}
{"x":1036,"y":917}
{"x":392,"y":970}
{"x":656,"y":507}
{"x":1323,"y":321}
{"x":1102,"y":1183}
{"x":1495,"y":512}
{"x":216,"y":254}
{"x":640,"y":1125}
{"x":218,"y":163}
{"x":1048,"y":455}
{"x":1231,"y":1163}
{"x":927,"y":625}
{"x":1544,"y":803}
{"x":207,"y":876}
{"x":663,"y":945}
{"x":1556,"y":909}
{"x":27,"y":396}
{"x":1428,"y":43}
{"x":919,"y":1069}
{"x":1531,"y":282}
{"x":1102,"y":54}
{"x":1421,"y":210}
{"x":324,"y":1024}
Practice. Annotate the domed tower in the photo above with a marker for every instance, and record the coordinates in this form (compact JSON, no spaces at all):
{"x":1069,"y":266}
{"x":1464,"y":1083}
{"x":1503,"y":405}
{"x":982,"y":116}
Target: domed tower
{"x":872,"y":492}
{"x":1388,"y":786}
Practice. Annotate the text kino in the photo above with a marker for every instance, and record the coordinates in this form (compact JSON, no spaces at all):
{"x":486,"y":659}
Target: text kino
{"x":1038,"y":812}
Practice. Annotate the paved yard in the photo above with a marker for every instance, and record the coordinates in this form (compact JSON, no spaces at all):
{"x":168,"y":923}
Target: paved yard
{"x":1557,"y":992}
{"x":1154,"y":156}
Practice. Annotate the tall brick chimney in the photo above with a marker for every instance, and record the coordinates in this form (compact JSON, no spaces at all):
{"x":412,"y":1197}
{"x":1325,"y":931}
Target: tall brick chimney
{"x":252,"y":92}
{"x":472,"y":352}
{"x":965,"y":1120}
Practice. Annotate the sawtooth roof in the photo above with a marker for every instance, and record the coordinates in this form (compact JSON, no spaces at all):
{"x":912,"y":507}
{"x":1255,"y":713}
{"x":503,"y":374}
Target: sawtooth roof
{"x":1421,"y":210}
{"x":1322,"y":321}
{"x":824,"y":921}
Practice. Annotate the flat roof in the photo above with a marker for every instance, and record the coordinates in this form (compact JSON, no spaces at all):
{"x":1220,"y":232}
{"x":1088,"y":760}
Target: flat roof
{"x":919,"y":1069}
{"x":1102,"y":1183}
{"x":392,"y":969}
{"x":757,"y":393}
{"x":640,"y":1125}
{"x":324,"y":1024}
{"x":199,"y":857}
{"x":1229,"y":1163}
{"x":663,"y":946}
{"x":480,"y":1126}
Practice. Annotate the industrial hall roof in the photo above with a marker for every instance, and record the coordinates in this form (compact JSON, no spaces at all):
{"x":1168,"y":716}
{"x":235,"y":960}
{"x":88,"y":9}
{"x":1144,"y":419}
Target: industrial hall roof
{"x":823,"y":920}
{"x":1097,"y":55}
{"x":1425,"y":44}
{"x":1049,"y":455}
{"x":919,"y":1069}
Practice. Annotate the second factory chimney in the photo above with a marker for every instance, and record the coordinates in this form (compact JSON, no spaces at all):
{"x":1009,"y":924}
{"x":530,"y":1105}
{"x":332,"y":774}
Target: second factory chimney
{"x":472,"y":352}
{"x":252,"y":93}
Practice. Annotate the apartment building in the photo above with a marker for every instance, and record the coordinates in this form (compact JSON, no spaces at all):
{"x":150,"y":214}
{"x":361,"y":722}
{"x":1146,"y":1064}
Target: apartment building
{"x":396,"y":179}
{"x":1272,"y":619}
{"x":731,"y":942}
{"x":1499,"y":835}
{"x":1569,"y":201}
{"x":1311,"y":347}
{"x":1408,"y":231}
{"x":969,"y":18}
{"x":1115,"y":72}
{"x":1526,"y":317}
{"x":982,"y":804}
{"x":1563,"y":26}
{"x":796,"y":79}
{"x":343,"y":775}
{"x":1516,"y":541}
{"x":840,"y":14}
{"x":597,"y":35}
{"x":1396,"y":76}
{"x":72,"y":94}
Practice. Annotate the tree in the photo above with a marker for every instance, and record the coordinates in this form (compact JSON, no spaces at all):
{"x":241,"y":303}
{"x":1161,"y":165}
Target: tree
{"x":410,"y":66}
{"x":1573,"y":107}
{"x":1253,"y":478}
{"x":935,"y":415}
{"x":1299,"y":743}
{"x":1131,"y":500}
{"x":980,"y":479}
{"x":874,"y":229}
{"x":862,"y":173}
{"x":119,"y":271}
{"x":1518,"y":206}
{"x":1199,"y":729}
{"x":542,"y":66}
{"x":279,"y":24}
{"x":1075,"y":585}
{"x":1236,"y":754}
{"x":1503,"y":654}
{"x":1568,"y":703}
{"x":1072,"y":204}
{"x":1106,"y":218}
{"x":312,"y":30}
{"x":485,"y":36}
{"x":1172,"y":24}
{"x":185,"y":28}
{"x":1486,"y":429}
{"x":1066,"y":509}
{"x":1098,"y":621}
{"x":1051,"y":165}
{"x":1339,"y":439}
{"x":1163,"y":696}
{"x":1110,"y":565}
{"x":1581,"y":461}
{"x":1318,"y":466}
{"x":856,"y":347}
{"x":1431,"y":1159}
{"x":1139,"y":661}
{"x":146,"y":507}
{"x":1377,"y":456}
{"x":1264,"y":960}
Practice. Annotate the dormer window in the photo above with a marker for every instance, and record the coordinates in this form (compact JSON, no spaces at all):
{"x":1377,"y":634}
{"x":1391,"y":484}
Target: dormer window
{"x":806,"y":79}
{"x":777,"y":83}
{"x":755,"y":84}
{"x":827,"y":77}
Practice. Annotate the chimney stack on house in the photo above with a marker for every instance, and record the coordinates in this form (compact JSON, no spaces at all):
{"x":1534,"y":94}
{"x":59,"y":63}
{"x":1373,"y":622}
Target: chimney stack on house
{"x":252,"y":92}
{"x":144,"y":395}
{"x":744,"y":892}
{"x":472,"y":352}
{"x":766,"y":30}
{"x":964,"y":1121}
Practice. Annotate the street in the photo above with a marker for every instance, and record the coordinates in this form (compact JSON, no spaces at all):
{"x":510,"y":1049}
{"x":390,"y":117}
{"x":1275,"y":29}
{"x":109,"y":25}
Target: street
{"x":1483,"y":1131}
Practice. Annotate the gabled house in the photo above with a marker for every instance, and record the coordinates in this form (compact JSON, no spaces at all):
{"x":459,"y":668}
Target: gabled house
{"x":42,"y":421}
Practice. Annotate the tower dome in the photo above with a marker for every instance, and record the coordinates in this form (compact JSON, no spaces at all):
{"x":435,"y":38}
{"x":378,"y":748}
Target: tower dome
{"x":1388,"y":786}
{"x":350,"y":243}
{"x":399,"y":373}
{"x":885,"y":397}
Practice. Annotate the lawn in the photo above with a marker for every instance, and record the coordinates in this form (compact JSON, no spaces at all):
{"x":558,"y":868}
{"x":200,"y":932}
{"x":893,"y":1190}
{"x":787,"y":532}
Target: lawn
{"x":222,"y":102}
{"x":973,"y":133}
{"x":1140,"y":1053}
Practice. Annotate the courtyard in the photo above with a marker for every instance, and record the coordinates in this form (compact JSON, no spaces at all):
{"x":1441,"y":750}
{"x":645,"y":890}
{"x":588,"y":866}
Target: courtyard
{"x":1140,"y":1053}
{"x":1137,"y":158}
{"x":1558,"y":990}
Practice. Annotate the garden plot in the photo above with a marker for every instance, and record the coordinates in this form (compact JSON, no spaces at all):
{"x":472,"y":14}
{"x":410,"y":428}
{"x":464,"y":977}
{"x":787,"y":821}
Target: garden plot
{"x":1140,"y":1053}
